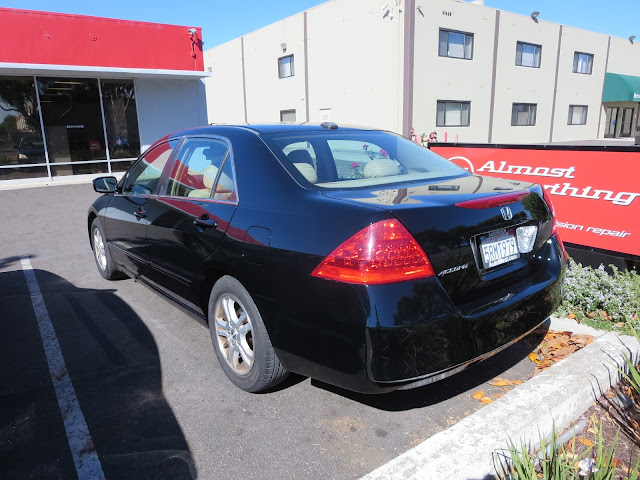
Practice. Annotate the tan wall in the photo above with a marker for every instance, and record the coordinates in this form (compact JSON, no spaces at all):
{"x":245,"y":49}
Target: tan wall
{"x":225,"y":99}
{"x":267,"y":94}
{"x":356,"y":63}
{"x":443,"y":78}
{"x":518,"y":84}
{"x":577,"y":88}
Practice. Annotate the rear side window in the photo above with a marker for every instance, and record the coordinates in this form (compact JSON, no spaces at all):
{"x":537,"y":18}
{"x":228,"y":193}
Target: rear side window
{"x":144,"y":176}
{"x":356,"y":158}
{"x":202,"y":166}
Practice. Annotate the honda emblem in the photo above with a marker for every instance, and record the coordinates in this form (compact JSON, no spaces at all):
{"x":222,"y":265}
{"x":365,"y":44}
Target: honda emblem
{"x":506,"y":213}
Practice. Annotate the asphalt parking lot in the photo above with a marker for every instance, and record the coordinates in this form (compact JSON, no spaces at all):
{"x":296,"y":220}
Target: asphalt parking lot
{"x":155,"y":401}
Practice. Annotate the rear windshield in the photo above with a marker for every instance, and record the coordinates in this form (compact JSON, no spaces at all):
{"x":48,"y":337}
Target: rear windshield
{"x":353,"y":159}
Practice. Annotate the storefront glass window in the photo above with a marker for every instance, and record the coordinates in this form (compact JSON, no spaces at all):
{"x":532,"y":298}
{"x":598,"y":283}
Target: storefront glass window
{"x":20,"y":139}
{"x":121,"y":118}
{"x":72,"y":123}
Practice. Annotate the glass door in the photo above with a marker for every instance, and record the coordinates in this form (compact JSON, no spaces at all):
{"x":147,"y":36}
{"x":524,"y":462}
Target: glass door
{"x":627,"y":122}
{"x":610,"y":126}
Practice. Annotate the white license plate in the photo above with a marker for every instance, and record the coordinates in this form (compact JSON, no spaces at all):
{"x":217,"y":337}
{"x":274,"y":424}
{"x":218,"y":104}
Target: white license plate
{"x":498,"y":248}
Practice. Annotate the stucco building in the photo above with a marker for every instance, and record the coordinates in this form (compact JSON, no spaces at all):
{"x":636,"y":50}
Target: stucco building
{"x":468,"y":71}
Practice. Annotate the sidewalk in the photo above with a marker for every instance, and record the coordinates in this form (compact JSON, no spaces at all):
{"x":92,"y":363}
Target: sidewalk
{"x":473,"y":448}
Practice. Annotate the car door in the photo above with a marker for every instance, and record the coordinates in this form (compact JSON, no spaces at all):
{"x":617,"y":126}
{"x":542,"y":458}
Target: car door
{"x":188,"y":220}
{"x":125,"y":218}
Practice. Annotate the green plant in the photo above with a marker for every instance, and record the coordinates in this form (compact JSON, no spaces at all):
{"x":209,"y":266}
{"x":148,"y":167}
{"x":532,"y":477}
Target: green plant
{"x":634,"y":375}
{"x":555,"y":462}
{"x":600,"y":299}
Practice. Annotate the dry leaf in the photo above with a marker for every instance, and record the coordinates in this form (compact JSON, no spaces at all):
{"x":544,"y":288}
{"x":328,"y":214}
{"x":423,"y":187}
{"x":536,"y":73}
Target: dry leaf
{"x":591,"y":315}
{"x":500,"y":383}
{"x":585,"y":441}
{"x":517,"y":382}
{"x":486,"y":400}
{"x":477,"y":395}
{"x":572,"y":316}
{"x":534,"y":358}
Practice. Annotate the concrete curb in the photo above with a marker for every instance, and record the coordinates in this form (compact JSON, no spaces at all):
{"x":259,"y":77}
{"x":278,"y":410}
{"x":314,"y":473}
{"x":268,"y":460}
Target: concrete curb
{"x":474,"y":447}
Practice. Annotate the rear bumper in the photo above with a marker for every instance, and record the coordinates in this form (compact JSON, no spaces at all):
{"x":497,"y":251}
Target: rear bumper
{"x":379,"y":338}
{"x":420,"y":353}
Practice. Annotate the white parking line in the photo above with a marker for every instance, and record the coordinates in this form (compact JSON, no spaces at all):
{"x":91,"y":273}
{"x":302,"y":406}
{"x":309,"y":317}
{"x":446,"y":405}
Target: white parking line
{"x":85,"y":458}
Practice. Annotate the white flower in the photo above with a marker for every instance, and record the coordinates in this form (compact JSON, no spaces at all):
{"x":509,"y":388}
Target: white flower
{"x":587,"y":466}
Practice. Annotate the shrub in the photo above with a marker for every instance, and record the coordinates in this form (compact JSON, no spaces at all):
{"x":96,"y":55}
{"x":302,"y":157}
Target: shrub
{"x":602,"y":300}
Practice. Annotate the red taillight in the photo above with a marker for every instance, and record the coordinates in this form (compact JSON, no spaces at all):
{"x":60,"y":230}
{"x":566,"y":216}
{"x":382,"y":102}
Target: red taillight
{"x":554,"y":228}
{"x":493,"y":201}
{"x":384,"y":252}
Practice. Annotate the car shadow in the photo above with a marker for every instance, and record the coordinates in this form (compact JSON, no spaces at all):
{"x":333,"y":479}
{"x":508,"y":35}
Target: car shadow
{"x":442,"y":390}
{"x":114,"y":366}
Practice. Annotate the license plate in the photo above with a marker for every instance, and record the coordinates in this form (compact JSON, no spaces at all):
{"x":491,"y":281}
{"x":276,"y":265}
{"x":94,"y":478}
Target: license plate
{"x":497,"y":248}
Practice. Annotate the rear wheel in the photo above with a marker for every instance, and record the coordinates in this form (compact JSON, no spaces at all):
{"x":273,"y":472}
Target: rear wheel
{"x":101,"y":253}
{"x":240,"y":338}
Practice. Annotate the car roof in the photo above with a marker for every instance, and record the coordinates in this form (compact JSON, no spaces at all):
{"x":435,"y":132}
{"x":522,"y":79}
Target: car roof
{"x":265,"y":129}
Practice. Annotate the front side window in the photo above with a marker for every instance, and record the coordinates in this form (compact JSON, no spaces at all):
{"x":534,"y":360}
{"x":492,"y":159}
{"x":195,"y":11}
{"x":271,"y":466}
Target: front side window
{"x":200,"y":167}
{"x":453,"y":113}
{"x":144,"y":176}
{"x":285,"y":67}
{"x":582,"y":63}
{"x":455,"y":44}
{"x":355,"y":159}
{"x":528,"y":55}
{"x":577,"y":114}
{"x":523,"y":114}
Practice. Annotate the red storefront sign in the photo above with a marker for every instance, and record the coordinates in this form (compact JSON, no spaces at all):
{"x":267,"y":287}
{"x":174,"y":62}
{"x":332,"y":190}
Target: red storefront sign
{"x":596,"y":192}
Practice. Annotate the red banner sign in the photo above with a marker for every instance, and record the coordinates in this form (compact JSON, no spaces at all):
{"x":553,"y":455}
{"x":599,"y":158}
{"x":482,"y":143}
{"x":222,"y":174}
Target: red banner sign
{"x":595,"y":192}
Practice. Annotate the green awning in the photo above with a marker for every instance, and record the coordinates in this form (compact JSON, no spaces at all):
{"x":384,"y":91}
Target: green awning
{"x":621,"y":88}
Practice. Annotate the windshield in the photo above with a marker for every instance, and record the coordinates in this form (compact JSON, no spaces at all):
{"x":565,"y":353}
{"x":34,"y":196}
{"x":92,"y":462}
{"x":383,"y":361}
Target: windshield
{"x":356,"y":158}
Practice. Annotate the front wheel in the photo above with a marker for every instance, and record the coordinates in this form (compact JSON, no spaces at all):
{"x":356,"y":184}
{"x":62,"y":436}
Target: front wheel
{"x":240,"y":339}
{"x":101,"y":253}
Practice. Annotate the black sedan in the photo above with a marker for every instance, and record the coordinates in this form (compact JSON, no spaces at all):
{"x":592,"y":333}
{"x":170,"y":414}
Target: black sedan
{"x":352,"y":256}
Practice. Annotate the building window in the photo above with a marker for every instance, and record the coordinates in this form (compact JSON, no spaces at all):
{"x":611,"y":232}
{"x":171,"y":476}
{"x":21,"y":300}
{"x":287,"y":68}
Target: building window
{"x":287,"y":115}
{"x":528,"y":54}
{"x":121,"y":118}
{"x":523,"y":114}
{"x":577,"y":114}
{"x":285,"y":66}
{"x":73,"y":126}
{"x":453,"y":114}
{"x":455,"y":44}
{"x":21,"y":145}
{"x":582,"y":63}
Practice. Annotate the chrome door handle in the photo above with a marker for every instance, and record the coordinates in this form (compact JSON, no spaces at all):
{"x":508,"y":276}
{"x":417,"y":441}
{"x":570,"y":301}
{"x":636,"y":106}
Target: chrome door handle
{"x":205,"y":222}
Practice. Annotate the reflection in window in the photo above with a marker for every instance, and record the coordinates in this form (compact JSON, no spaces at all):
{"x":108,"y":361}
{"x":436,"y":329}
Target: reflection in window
{"x":452,"y":113}
{"x":121,"y":118}
{"x":528,"y":54}
{"x":578,"y":114}
{"x":523,"y":114}
{"x":20,"y":139}
{"x":455,"y":44}
{"x":72,"y":122}
{"x":195,"y":171}
{"x":285,"y":66}
{"x":582,"y":63}
{"x":143,"y":178}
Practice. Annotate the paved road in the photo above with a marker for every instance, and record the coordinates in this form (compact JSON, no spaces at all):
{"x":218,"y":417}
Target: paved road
{"x":155,"y":401}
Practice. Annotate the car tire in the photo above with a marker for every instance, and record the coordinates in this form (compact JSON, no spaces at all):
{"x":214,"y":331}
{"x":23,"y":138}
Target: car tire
{"x":101,"y":253}
{"x":240,"y":339}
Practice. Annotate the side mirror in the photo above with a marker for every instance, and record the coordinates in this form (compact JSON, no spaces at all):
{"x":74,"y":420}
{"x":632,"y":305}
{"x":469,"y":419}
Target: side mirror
{"x":105,"y":184}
